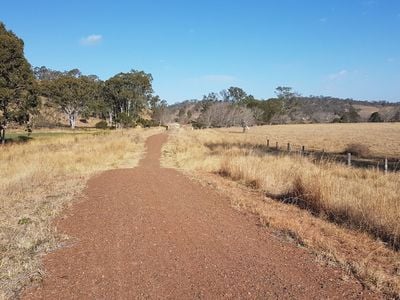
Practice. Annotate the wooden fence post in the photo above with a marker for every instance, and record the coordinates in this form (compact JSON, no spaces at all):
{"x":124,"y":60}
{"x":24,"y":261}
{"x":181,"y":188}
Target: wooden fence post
{"x":267,"y":143}
{"x":349,"y":159}
{"x":302,"y":150}
{"x":277,"y":146}
{"x":288,"y":147}
{"x":386,"y":165}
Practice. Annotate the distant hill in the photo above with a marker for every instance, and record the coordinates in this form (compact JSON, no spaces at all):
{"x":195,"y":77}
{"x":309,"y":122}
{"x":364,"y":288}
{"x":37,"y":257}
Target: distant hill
{"x":300,"y":109}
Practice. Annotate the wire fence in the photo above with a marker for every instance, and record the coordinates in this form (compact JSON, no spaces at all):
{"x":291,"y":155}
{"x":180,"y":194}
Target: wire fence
{"x":384,"y":164}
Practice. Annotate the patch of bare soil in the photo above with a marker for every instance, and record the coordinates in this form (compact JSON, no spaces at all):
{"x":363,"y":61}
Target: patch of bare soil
{"x":151,"y":232}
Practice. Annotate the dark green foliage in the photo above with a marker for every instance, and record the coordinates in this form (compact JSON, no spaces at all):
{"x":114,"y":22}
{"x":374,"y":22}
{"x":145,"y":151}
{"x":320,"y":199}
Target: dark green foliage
{"x":18,"y":98}
{"x":350,"y":116}
{"x":24,"y":221}
{"x":127,"y":95}
{"x":101,"y":125}
{"x":147,"y":123}
{"x":72,"y":93}
{"x":43,"y":73}
{"x":375,"y":117}
{"x":125,"y":120}
{"x":285,"y":92}
{"x":197,"y":125}
{"x":236,"y":94}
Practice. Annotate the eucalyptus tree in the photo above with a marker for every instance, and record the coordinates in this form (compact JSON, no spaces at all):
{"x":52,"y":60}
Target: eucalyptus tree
{"x":18,"y":98}
{"x":236,"y":94}
{"x":72,"y":93}
{"x":127,"y":95}
{"x":159,"y":110}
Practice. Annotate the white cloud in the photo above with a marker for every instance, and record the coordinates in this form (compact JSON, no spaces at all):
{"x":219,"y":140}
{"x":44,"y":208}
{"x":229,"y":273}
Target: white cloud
{"x":338,"y":75}
{"x":323,"y":20}
{"x":91,"y":40}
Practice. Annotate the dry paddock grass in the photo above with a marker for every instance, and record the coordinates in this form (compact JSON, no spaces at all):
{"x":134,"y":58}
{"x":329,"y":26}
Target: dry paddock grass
{"x":349,"y":215}
{"x":38,"y":179}
{"x":383,"y":139}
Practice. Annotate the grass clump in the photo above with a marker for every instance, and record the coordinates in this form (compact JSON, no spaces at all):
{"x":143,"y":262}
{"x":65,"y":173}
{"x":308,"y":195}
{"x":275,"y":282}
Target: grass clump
{"x":357,"y":149}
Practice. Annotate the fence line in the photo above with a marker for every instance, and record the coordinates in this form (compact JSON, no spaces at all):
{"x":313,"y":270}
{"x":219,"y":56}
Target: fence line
{"x":351,"y":160}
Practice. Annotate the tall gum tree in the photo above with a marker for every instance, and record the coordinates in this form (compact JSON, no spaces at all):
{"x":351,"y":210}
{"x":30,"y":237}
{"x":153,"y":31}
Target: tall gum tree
{"x":127,"y":94}
{"x":72,"y":93}
{"x":18,"y":98}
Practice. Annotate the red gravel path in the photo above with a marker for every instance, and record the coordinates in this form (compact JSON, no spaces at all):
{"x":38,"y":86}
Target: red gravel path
{"x":150,"y":232}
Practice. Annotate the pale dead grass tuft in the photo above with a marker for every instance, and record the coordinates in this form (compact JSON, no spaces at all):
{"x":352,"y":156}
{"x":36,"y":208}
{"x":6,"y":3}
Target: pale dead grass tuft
{"x":38,"y":180}
{"x":366,"y":202}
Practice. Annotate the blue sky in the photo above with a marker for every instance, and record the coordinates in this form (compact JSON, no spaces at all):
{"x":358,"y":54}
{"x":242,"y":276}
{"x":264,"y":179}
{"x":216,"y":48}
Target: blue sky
{"x":343,"y":48}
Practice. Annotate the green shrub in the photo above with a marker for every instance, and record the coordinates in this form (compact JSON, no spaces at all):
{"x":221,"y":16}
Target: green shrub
{"x":146,"y":123}
{"x":101,"y":125}
{"x":375,"y":117}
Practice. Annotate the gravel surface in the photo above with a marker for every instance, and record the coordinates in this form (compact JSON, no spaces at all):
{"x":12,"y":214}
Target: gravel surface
{"x":150,"y":232}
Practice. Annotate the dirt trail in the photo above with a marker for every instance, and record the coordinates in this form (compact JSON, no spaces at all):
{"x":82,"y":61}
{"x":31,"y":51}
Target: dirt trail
{"x":150,"y":232}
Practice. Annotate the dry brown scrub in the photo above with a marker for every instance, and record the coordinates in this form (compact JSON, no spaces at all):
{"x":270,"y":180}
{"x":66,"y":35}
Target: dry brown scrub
{"x":364,"y":201}
{"x":37,"y":180}
{"x":383,"y":139}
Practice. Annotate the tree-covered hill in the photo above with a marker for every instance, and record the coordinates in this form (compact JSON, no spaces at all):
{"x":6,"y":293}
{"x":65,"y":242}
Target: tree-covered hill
{"x":288,"y":107}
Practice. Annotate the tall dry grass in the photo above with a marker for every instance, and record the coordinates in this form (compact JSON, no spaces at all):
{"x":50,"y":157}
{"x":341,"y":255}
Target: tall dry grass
{"x":38,"y":179}
{"x":364,"y":200}
{"x":383,"y":139}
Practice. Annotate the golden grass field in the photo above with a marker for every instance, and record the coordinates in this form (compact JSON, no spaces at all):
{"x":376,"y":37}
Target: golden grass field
{"x":363,"y":201}
{"x":383,"y":139}
{"x":38,"y":179}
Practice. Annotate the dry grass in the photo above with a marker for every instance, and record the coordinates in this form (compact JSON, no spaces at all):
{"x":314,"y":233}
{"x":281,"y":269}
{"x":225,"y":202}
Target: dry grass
{"x":381,"y":138}
{"x":365,"y":201}
{"x":38,"y":179}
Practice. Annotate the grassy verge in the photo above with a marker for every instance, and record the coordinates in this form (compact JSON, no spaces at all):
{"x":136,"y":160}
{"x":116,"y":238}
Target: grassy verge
{"x":356,"y":211}
{"x":38,"y":179}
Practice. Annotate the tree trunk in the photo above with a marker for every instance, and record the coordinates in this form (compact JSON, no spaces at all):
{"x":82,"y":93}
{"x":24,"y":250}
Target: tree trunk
{"x":110,"y":116}
{"x":72,"y":120}
{"x":3,"y":135}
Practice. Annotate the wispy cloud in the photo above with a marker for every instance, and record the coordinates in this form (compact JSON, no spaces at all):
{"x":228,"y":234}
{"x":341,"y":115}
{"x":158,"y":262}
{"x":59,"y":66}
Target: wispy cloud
{"x":338,"y":75}
{"x":91,"y":40}
{"x":323,"y":20}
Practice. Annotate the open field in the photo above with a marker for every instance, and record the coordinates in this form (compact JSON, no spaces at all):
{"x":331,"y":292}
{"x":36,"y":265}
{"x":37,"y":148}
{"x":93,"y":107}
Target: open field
{"x":362,"y":201}
{"x":18,"y":136}
{"x":383,"y":139}
{"x":39,"y":179}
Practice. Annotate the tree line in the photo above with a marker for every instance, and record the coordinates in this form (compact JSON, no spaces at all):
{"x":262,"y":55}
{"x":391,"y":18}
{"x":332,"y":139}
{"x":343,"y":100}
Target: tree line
{"x":120,"y":99}
{"x":234,"y":107}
